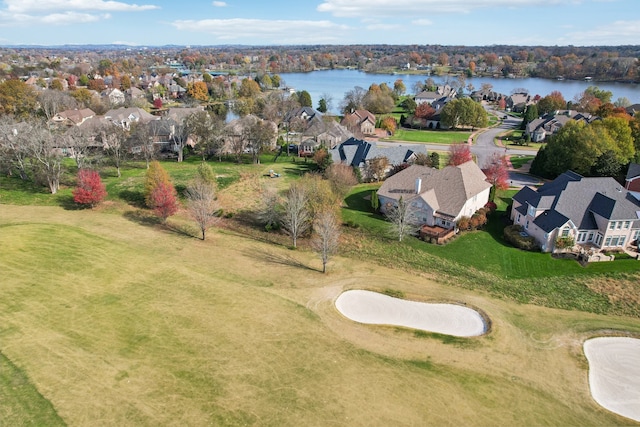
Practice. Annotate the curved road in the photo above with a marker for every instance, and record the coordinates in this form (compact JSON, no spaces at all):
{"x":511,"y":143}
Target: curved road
{"x":484,"y":147}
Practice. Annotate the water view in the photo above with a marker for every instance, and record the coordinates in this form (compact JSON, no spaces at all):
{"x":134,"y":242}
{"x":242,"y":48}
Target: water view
{"x":336,"y":82}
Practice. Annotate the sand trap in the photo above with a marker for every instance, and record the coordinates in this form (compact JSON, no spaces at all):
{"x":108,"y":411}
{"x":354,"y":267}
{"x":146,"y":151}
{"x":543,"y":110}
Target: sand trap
{"x":614,"y":374}
{"x":374,"y":308}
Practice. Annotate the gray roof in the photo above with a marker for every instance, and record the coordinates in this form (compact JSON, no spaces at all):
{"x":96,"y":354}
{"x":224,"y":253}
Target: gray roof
{"x":633,"y":171}
{"x":356,"y":152}
{"x":579,"y":199}
{"x":446,"y":190}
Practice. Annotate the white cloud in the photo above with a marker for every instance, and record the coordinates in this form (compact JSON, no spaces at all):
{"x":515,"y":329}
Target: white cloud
{"x":619,"y":32}
{"x":268,"y":32}
{"x":34,"y":6}
{"x":65,"y":18}
{"x":219,"y":4}
{"x":363,"y":8}
{"x":422,"y":22}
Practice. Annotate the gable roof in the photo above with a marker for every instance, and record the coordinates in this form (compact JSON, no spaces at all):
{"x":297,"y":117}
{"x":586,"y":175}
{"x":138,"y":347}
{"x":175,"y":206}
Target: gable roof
{"x":633,"y":171}
{"x":356,"y":152}
{"x":445,"y":190}
{"x":573,"y":197}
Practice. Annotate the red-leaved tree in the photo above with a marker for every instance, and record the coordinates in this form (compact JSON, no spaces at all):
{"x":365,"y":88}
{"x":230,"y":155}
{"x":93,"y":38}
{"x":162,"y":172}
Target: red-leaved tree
{"x":164,"y":200}
{"x":159,"y":192}
{"x":459,"y":154}
{"x":90,"y":190}
{"x":497,"y":171}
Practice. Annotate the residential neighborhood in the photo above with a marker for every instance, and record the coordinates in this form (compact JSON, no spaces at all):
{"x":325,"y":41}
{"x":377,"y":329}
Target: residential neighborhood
{"x":189,"y":238}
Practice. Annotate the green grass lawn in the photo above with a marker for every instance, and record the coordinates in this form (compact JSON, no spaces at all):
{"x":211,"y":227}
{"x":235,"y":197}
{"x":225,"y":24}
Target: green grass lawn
{"x":519,"y":160}
{"x":109,"y":317}
{"x":431,"y":137}
{"x":483,"y":260}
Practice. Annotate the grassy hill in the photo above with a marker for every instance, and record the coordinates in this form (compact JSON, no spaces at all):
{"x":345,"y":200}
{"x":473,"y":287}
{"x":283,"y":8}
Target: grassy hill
{"x":109,"y":318}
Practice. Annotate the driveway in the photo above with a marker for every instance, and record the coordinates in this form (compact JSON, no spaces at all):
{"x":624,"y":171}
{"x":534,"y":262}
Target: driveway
{"x":484,"y":148}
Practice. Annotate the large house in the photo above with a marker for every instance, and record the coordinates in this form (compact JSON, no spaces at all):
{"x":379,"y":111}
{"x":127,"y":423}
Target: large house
{"x":439,"y":197}
{"x":539,"y":129}
{"x":598,"y":213}
{"x":360,"y":122}
{"x":362,"y":154}
{"x":430,"y":97}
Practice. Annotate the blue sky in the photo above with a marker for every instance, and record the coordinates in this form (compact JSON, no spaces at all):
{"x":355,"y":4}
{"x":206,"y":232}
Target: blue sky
{"x":280,"y":22}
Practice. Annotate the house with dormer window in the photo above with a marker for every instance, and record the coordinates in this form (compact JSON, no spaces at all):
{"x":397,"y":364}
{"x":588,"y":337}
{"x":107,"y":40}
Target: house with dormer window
{"x":597,"y":213}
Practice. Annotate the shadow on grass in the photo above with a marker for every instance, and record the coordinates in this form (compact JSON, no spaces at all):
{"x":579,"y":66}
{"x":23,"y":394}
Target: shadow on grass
{"x":66,"y":202}
{"x":281,"y":259}
{"x":133,"y":198}
{"x":148,"y":219}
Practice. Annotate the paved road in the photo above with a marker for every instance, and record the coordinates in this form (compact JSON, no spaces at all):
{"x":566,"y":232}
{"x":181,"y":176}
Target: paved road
{"x":484,"y":147}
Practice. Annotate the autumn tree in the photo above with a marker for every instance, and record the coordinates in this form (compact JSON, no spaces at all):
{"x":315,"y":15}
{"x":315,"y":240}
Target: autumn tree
{"x":248,"y":88}
{"x":341,"y":177}
{"x":90,"y":190}
{"x":326,"y":228}
{"x":550,"y":103}
{"x":459,"y":154}
{"x":322,"y":158}
{"x":17,"y":98}
{"x":389,"y":124}
{"x":198,"y":91}
{"x":399,"y":88}
{"x":463,"y":112}
{"x":296,"y":217}
{"x":497,"y":171}
{"x":202,"y":204}
{"x":377,"y":168}
{"x":259,"y":136}
{"x":160,"y":194}
{"x":424,"y":111}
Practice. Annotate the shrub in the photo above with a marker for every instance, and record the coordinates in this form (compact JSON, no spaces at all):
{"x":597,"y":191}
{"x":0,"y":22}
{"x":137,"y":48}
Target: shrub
{"x":512,"y":234}
{"x":90,"y":190}
{"x":464,"y":223}
{"x":491,"y":207}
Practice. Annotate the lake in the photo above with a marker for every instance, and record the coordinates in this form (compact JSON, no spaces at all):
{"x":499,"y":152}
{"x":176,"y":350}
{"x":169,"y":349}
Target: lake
{"x":336,"y":83}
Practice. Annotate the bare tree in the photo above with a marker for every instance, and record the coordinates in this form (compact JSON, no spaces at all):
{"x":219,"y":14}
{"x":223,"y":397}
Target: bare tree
{"x":14,"y":145}
{"x":260,"y":135}
{"x":46,"y":156}
{"x":180,"y":136}
{"x":296,"y":218}
{"x":143,"y":141}
{"x":202,"y":203}
{"x":53,"y":101}
{"x":342,"y":178}
{"x":78,"y":144}
{"x":327,"y":234}
{"x":268,"y":212}
{"x":207,"y":130}
{"x":403,"y":219}
{"x":114,"y":141}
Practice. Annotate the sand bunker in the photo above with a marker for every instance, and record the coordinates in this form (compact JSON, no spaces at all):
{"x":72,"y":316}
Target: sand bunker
{"x":374,"y":308}
{"x":614,"y":374}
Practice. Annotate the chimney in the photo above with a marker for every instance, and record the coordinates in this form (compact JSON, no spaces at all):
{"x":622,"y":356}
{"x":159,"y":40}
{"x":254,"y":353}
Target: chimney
{"x":418,"y":185}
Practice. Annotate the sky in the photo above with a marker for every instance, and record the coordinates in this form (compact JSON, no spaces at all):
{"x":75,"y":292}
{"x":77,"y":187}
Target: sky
{"x":305,"y":22}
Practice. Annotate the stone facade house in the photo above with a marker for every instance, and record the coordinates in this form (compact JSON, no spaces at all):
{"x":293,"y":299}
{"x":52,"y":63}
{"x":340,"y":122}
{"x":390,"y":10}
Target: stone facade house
{"x":439,"y":197}
{"x":360,"y":122}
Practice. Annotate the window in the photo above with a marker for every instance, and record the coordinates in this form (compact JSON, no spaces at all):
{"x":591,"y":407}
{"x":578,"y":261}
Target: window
{"x":626,"y":224}
{"x":532,"y":211}
{"x":612,"y":225}
{"x":607,"y":241}
{"x":619,"y":225}
{"x":565,"y":232}
{"x":527,"y":225}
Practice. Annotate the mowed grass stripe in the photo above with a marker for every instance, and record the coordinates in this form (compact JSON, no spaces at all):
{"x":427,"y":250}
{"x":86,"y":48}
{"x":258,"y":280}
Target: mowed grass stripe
{"x":157,"y":329}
